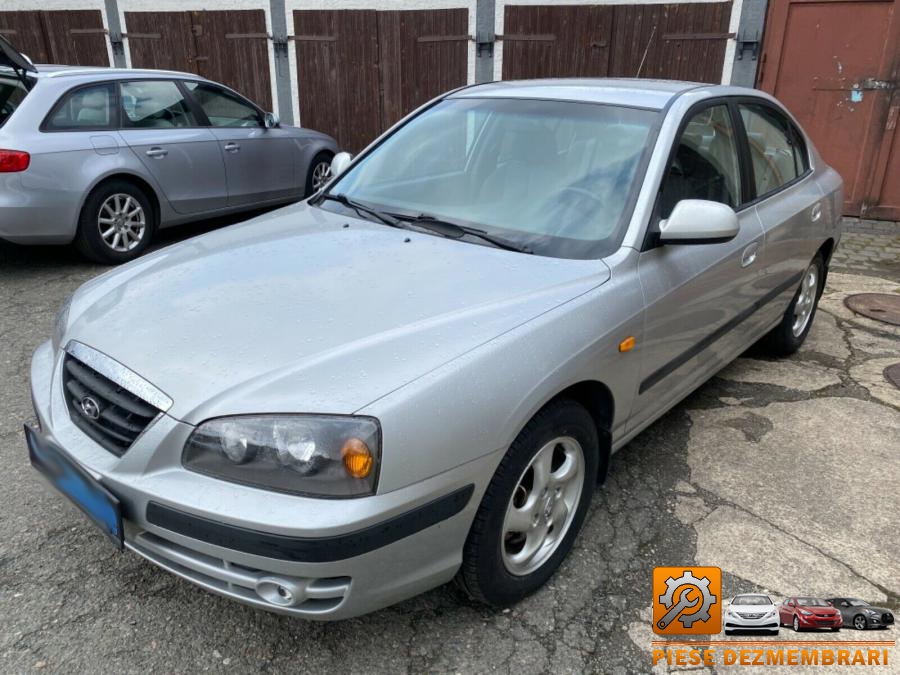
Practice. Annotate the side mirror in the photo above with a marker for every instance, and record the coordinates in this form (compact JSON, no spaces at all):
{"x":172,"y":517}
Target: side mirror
{"x":698,"y":221}
{"x":271,"y":121}
{"x":339,"y":163}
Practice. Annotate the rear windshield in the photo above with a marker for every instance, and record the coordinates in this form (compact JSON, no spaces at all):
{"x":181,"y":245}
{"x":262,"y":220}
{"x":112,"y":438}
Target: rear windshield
{"x":12,"y":93}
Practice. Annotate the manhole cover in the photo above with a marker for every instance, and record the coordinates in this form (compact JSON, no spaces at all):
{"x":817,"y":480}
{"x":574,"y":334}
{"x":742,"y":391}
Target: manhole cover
{"x":879,"y":306}
{"x":892,"y":373}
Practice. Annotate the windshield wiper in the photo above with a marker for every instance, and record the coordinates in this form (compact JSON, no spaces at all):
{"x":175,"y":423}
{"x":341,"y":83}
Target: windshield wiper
{"x":448,"y":228}
{"x":362,"y":209}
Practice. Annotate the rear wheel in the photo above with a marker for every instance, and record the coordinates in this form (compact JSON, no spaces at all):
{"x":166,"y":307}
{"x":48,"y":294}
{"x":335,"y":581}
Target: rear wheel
{"x":533,"y":507}
{"x":787,"y":336}
{"x":116,"y":223}
{"x":319,"y":173}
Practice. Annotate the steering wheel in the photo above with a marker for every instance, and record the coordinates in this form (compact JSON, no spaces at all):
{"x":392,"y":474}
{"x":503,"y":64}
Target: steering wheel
{"x":581,"y":193}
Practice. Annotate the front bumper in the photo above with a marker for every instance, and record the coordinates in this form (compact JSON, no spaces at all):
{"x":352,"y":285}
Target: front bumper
{"x":736,"y":622}
{"x":820,"y":622}
{"x":314,"y":558}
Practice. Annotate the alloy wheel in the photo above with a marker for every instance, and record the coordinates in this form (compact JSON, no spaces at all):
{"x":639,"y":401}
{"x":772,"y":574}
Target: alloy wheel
{"x":542,"y":506}
{"x":806,"y":301}
{"x":796,"y":624}
{"x":321,"y":175}
{"x":859,"y":623}
{"x":122,"y":222}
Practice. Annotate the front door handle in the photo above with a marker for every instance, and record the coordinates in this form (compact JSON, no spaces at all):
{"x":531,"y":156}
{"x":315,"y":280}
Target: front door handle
{"x":157,"y":153}
{"x":232,"y":147}
{"x":749,"y":255}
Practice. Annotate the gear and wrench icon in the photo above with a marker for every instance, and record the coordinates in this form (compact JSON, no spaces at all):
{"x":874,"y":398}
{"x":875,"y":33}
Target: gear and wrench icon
{"x":667,"y":599}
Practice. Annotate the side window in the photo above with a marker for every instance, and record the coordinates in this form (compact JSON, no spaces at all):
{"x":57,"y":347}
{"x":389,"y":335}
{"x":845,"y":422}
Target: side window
{"x":84,"y":108}
{"x":705,"y":164}
{"x":151,"y":104}
{"x":223,"y":108}
{"x":772,"y":151}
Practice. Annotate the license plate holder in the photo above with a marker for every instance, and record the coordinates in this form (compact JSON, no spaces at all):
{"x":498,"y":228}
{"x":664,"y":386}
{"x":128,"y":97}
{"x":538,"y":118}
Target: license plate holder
{"x":100,"y":506}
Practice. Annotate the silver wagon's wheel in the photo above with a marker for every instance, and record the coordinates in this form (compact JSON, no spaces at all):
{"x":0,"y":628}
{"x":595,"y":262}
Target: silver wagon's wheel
{"x":321,"y":174}
{"x":542,"y":505}
{"x":122,"y":222}
{"x":806,"y":300}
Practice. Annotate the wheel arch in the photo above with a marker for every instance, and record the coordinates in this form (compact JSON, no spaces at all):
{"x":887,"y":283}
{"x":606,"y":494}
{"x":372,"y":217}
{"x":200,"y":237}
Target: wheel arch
{"x":598,"y":399}
{"x":134,"y":179}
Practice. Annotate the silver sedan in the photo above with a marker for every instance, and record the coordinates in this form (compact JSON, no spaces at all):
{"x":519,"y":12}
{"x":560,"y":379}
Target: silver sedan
{"x":105,"y":157}
{"x":422,"y":372}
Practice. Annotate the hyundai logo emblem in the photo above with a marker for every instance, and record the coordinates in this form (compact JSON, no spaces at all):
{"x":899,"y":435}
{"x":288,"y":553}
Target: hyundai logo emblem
{"x":90,"y":408}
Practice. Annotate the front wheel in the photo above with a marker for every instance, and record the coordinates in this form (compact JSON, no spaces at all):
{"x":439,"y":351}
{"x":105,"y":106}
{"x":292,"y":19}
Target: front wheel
{"x":787,"y":336}
{"x":116,"y":223}
{"x":859,"y":622}
{"x":319,"y":173}
{"x":533,"y":507}
{"x":796,"y":625}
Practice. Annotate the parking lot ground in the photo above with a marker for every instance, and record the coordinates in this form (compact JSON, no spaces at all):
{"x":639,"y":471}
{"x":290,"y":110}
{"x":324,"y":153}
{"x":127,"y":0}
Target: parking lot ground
{"x":786,"y":474}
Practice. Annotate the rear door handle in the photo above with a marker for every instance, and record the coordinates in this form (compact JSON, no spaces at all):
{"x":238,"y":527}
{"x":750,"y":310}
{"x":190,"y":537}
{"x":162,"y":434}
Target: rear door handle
{"x":157,"y":153}
{"x":816,"y":212}
{"x":749,"y":255}
{"x":232,"y":147}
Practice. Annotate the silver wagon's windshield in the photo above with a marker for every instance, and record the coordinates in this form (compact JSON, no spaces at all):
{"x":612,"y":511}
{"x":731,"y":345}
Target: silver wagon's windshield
{"x":556,"y":177}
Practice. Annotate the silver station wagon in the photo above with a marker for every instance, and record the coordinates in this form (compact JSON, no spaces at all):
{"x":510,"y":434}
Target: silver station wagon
{"x":422,"y":372}
{"x":104,"y":157}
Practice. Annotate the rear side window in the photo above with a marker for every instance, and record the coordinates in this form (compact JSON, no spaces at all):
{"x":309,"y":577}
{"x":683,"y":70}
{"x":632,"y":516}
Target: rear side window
{"x":223,"y":108}
{"x":12,"y":93}
{"x":776,"y":158}
{"x":155,"y":104}
{"x":705,"y":164}
{"x":84,"y":108}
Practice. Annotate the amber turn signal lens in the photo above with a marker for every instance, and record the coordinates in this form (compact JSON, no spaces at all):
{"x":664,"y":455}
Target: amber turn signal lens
{"x":357,"y":458}
{"x":627,"y":344}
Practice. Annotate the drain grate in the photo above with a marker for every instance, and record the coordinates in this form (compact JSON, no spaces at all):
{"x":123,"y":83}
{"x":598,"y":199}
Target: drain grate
{"x":879,"y":306}
{"x":892,"y":374}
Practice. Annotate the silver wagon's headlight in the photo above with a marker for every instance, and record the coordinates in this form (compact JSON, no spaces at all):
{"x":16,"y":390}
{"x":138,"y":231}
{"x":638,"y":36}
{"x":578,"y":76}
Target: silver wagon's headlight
{"x":318,"y":455}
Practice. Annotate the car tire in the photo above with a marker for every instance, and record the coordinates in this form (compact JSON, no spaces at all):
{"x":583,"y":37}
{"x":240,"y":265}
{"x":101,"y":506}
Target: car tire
{"x":319,"y":173}
{"x":835,"y":629}
{"x":789,"y":334}
{"x":796,"y":625}
{"x":501,"y":563}
{"x":116,"y":223}
{"x":859,"y":622}
{"x":774,"y":632}
{"x":729,"y":632}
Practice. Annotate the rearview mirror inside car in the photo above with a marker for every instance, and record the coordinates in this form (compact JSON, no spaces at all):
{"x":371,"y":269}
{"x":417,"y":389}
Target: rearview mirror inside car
{"x":698,"y":221}
{"x":340,"y":162}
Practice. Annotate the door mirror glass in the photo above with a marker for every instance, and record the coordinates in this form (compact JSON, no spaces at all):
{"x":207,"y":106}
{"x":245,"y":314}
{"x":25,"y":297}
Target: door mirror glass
{"x":698,"y":221}
{"x":340,"y":162}
{"x":272,"y":121}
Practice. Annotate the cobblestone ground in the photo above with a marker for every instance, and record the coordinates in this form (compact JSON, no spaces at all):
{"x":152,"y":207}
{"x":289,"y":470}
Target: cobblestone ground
{"x":786,"y":474}
{"x":868,"y":247}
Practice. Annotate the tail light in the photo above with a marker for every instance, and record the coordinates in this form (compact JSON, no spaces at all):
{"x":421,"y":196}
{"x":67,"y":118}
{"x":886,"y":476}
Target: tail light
{"x":12,"y":161}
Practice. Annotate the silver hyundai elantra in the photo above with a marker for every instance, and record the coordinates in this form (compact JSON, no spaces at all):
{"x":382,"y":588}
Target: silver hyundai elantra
{"x":422,"y":372}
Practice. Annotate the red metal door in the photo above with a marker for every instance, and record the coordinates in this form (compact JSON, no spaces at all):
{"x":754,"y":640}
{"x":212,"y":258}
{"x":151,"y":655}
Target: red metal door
{"x":834,"y":64}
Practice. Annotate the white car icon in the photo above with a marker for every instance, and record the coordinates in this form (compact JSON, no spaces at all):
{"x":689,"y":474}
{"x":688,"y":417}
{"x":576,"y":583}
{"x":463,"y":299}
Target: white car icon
{"x":751,"y":611}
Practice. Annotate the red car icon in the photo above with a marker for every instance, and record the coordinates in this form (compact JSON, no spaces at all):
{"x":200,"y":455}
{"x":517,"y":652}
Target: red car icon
{"x":806,"y":613}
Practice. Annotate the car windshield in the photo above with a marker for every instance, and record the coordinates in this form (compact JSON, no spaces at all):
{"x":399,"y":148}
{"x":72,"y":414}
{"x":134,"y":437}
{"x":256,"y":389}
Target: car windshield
{"x":556,"y":177}
{"x":858,"y":603}
{"x":811,"y":602}
{"x":751,"y":600}
{"x":12,"y":93}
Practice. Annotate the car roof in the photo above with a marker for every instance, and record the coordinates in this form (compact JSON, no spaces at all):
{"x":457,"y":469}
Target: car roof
{"x":89,"y":73}
{"x":639,"y":93}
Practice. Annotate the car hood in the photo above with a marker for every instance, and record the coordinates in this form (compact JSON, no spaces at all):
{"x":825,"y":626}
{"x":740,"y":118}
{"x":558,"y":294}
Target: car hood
{"x":304,"y":310}
{"x":752,"y":609}
{"x":820,"y":611}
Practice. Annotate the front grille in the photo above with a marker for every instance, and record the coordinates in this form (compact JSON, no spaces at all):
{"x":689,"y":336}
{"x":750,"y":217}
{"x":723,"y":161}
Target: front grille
{"x":749,"y":616}
{"x":887,"y":617}
{"x":826,"y":622}
{"x":108,"y":413}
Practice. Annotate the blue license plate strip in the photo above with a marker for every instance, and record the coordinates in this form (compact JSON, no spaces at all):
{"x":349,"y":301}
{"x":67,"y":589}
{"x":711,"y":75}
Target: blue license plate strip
{"x":95,"y":501}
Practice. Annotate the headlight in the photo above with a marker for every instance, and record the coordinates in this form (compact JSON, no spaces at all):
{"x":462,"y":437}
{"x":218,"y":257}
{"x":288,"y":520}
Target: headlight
{"x":872,"y":612}
{"x":805,"y":612}
{"x":770,"y":614}
{"x":317,"y":455}
{"x":62,"y":323}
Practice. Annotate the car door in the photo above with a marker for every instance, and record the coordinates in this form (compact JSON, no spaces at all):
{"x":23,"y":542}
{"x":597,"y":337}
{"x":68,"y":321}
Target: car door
{"x":260,"y":163}
{"x":182,"y":156}
{"x":697,"y":296}
{"x":789,"y":202}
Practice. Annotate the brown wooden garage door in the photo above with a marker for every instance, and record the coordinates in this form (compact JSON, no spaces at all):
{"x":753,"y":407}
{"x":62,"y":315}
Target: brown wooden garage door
{"x":359,"y":71}
{"x":836,"y":66}
{"x":230,"y":47}
{"x":684,"y":41}
{"x":69,"y":37}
